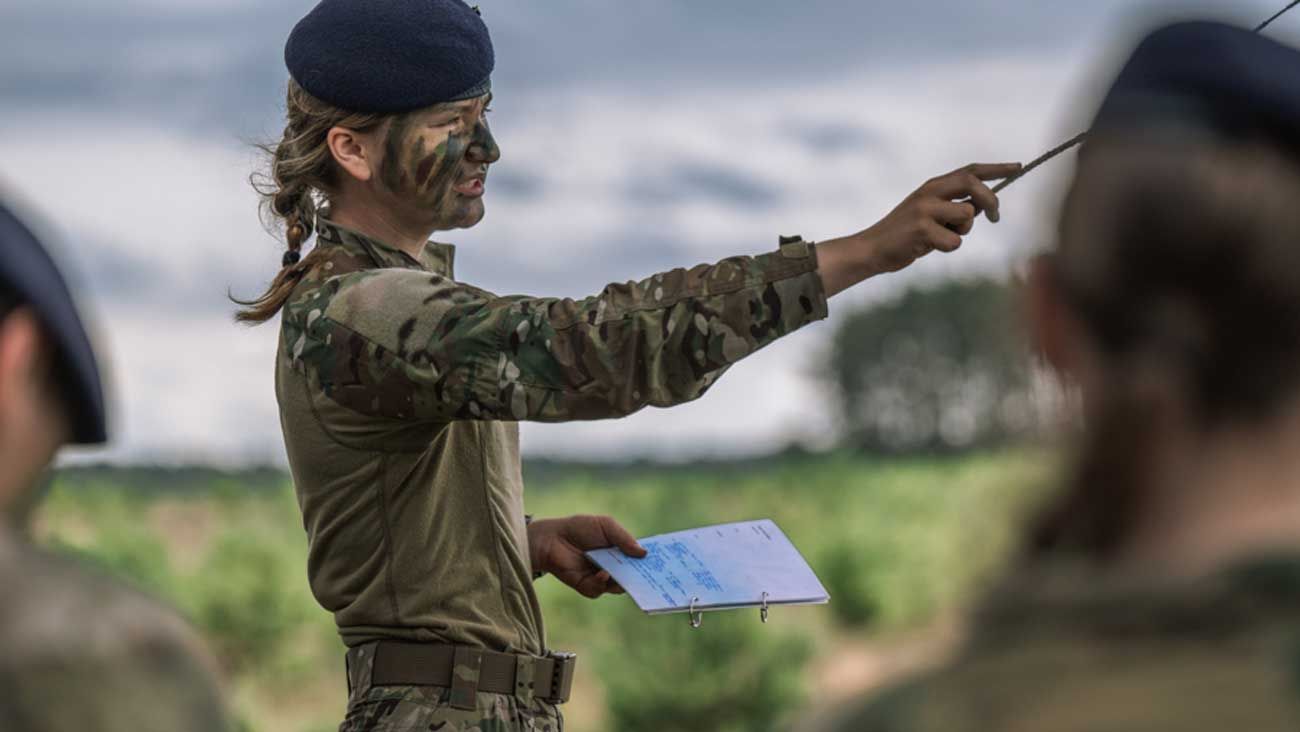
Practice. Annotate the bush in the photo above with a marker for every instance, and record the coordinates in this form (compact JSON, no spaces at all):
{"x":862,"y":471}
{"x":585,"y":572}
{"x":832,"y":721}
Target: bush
{"x":845,"y":570}
{"x":135,"y":556}
{"x":940,"y":369}
{"x":733,"y":674}
{"x":895,"y":541}
{"x":247,"y":599}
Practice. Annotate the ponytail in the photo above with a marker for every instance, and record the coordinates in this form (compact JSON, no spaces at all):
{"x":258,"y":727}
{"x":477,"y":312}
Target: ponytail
{"x":1104,"y":501}
{"x":302,"y":174}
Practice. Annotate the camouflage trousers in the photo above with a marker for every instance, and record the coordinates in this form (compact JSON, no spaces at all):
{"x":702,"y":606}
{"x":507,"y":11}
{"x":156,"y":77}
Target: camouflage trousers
{"x":427,"y":708}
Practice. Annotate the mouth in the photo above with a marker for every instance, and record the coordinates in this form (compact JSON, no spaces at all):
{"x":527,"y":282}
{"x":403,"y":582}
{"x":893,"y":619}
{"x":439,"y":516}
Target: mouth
{"x":471,"y":187}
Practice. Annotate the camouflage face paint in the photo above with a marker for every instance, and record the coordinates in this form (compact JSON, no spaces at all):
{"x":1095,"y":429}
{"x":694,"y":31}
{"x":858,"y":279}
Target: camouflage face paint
{"x":425,"y":157}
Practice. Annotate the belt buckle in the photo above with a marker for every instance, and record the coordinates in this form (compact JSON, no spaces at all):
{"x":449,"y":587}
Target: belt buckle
{"x":561,"y":675}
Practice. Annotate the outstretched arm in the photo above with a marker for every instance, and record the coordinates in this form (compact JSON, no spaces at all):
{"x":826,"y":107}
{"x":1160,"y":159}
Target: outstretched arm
{"x":409,"y":345}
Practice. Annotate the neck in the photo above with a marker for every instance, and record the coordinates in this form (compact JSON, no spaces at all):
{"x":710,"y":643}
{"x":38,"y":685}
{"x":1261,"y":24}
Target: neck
{"x":376,"y":223}
{"x":1218,"y":497}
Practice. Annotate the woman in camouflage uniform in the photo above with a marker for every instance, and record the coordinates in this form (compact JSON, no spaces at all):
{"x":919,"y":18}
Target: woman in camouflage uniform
{"x":400,"y":388}
{"x":1162,"y":587}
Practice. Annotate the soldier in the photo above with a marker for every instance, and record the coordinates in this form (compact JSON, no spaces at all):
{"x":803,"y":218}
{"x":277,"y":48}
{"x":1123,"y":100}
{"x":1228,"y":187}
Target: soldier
{"x":78,"y":651}
{"x":400,"y":387}
{"x":1162,"y":589}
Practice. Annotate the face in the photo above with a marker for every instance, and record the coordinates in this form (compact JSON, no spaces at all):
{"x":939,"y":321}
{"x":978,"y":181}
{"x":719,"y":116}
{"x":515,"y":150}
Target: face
{"x":32,"y":421}
{"x":435,"y":162}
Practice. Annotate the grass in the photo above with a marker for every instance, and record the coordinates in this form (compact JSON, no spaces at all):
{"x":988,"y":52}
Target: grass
{"x":898,"y":543}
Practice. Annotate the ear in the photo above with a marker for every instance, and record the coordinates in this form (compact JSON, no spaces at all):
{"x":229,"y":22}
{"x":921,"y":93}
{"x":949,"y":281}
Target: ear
{"x":20,"y":350}
{"x":32,"y":424}
{"x":351,"y":152}
{"x":1052,"y":323}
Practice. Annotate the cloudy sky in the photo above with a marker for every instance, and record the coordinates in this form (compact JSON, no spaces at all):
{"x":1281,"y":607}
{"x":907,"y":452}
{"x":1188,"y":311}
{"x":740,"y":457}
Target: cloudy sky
{"x":637,"y":137}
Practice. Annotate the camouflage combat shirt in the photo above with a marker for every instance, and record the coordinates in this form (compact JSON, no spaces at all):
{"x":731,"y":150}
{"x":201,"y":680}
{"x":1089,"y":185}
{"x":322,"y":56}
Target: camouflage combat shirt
{"x":400,"y":389}
{"x":1058,"y":651}
{"x":80,"y":651}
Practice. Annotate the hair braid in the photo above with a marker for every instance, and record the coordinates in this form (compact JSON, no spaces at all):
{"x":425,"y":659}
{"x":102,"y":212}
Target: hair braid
{"x":301,"y":178}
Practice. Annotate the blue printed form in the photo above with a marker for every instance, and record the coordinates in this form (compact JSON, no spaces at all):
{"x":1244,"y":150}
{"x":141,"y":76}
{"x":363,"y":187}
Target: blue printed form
{"x":720,"y":567}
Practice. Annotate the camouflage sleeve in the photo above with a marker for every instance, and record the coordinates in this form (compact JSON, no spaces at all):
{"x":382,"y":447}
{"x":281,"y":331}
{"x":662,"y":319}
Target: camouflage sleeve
{"x":410,"y":345}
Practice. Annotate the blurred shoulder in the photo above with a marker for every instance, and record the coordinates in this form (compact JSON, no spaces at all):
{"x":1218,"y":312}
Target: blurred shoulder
{"x":78,"y":646}
{"x":1054,"y":651}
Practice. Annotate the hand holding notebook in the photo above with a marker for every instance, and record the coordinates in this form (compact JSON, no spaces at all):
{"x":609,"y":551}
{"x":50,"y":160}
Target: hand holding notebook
{"x":745,"y":564}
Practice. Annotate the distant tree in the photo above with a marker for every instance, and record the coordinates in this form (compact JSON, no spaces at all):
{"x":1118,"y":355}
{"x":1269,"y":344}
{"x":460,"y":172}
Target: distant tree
{"x":942,"y":368}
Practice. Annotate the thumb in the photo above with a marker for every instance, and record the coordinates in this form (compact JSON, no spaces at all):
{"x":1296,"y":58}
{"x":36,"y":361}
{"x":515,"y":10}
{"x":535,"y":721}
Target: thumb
{"x":621,"y":538}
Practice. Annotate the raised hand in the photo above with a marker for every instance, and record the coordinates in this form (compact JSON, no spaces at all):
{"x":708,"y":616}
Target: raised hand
{"x":936,"y":216}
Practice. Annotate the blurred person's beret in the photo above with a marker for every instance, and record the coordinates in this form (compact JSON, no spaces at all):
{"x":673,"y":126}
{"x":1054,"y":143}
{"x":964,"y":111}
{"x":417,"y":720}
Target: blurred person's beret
{"x":28,"y":275}
{"x":391,"y":56}
{"x":1207,"y":77}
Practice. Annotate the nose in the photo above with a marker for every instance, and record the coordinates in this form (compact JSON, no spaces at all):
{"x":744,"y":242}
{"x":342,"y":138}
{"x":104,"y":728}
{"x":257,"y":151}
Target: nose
{"x":483,"y":147}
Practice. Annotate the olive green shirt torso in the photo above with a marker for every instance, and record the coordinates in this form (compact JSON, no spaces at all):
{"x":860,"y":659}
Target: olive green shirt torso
{"x":1064,"y":651}
{"x":400,"y":390}
{"x":416,"y":528}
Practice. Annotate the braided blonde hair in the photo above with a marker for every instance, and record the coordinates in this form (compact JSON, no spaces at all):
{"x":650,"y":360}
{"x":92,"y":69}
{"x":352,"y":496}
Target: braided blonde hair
{"x":301,"y":178}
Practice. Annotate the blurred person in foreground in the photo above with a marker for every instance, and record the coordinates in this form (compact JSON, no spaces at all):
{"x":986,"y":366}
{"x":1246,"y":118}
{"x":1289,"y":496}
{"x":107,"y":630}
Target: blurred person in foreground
{"x":400,"y":388}
{"x":1161,"y":591}
{"x":79,"y":652}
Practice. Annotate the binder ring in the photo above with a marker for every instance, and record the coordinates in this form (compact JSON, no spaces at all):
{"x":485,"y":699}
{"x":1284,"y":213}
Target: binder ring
{"x":696,"y":616}
{"x":762,"y":610}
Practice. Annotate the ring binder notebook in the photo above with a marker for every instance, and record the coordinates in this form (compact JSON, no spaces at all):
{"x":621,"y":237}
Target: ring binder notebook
{"x":723,"y":567}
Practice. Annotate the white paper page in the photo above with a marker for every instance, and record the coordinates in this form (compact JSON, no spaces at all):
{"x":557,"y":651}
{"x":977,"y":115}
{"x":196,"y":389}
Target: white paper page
{"x":725,"y":565}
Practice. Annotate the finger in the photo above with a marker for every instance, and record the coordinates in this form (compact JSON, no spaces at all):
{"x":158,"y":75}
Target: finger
{"x":615,"y":588}
{"x":963,"y":184}
{"x":592,"y":585}
{"x":620,"y":537}
{"x":952,"y":213}
{"x":960,"y":229}
{"x":941,"y":238}
{"x":992,"y":171}
{"x":986,"y":200}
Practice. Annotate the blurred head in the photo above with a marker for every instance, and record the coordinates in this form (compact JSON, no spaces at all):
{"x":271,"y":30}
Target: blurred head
{"x":50,"y":389}
{"x":1173,"y":301}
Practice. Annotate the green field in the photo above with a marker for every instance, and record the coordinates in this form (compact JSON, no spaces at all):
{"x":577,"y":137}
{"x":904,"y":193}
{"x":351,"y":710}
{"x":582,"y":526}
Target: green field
{"x":900,"y":543}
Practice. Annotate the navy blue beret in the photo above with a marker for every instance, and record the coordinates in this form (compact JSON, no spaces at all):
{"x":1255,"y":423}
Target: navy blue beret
{"x":1208,"y":76}
{"x":29,"y":274}
{"x":391,"y":56}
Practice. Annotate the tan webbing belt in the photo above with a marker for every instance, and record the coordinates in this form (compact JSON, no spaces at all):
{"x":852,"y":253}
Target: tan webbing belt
{"x":433,"y":664}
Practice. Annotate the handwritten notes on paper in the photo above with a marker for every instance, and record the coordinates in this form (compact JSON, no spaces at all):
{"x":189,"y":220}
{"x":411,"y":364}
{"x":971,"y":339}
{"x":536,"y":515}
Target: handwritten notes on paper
{"x":724,"y":566}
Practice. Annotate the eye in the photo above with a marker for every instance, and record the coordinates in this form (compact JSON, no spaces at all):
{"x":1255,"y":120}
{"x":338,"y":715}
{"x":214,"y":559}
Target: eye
{"x":487,"y":111}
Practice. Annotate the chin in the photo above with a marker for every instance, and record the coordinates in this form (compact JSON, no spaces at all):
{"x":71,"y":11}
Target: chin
{"x":470,"y":214}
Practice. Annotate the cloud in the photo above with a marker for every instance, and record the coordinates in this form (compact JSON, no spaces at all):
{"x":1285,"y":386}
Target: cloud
{"x":711,"y":183}
{"x":608,"y":174}
{"x":834,"y":137}
{"x":216,"y":65}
